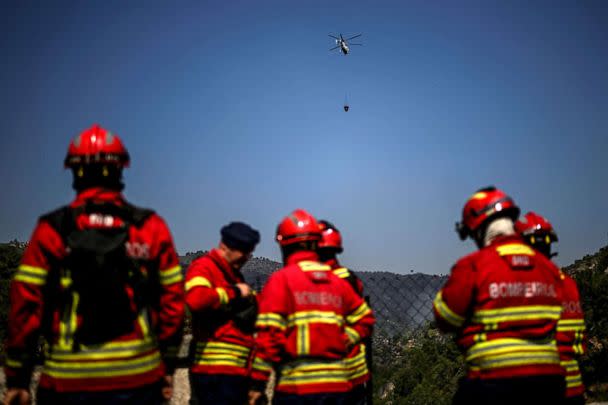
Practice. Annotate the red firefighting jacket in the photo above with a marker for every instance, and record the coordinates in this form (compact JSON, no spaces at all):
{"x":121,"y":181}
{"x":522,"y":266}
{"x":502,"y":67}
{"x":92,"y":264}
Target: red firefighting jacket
{"x":309,"y":319}
{"x":219,"y":346}
{"x":504,"y":302}
{"x":355,"y":360}
{"x":571,"y":337}
{"x":129,"y":361}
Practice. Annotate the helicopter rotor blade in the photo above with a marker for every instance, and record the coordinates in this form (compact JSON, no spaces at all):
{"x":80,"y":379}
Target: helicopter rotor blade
{"x":335,"y":47}
{"x":354,"y":44}
{"x":356,"y":36}
{"x":333,"y":37}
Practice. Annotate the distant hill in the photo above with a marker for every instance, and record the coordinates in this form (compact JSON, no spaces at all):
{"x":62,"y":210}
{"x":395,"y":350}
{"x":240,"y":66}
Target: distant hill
{"x":591,"y":262}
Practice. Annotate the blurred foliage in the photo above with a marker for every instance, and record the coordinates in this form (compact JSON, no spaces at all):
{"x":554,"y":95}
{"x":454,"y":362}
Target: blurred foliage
{"x":10,"y":255}
{"x":591,"y":275}
{"x":420,"y":368}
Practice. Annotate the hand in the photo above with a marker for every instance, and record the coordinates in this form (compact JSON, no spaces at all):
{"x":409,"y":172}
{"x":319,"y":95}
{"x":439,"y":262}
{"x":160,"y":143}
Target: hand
{"x":167,"y":387}
{"x":244,"y":289}
{"x":256,"y":397}
{"x":17,"y":396}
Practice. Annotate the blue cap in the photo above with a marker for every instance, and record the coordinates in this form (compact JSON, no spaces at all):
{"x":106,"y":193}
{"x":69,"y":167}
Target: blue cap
{"x":240,"y":236}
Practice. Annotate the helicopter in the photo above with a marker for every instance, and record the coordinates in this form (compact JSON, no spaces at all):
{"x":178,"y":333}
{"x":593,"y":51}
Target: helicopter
{"x":342,"y":43}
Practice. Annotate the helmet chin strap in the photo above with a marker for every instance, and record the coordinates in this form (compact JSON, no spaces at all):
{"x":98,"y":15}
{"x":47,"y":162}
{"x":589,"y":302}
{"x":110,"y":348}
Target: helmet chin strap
{"x":502,"y":226}
{"x":97,"y":176}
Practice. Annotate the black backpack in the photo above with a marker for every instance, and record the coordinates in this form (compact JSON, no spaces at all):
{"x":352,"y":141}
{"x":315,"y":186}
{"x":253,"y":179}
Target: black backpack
{"x":100,"y":270}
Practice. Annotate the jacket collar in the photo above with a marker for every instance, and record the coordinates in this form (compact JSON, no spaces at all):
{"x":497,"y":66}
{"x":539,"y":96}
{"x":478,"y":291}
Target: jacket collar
{"x":502,"y":240}
{"x":234,"y":276}
{"x":301,"y":256}
{"x":98,"y":194}
{"x":333,"y":263}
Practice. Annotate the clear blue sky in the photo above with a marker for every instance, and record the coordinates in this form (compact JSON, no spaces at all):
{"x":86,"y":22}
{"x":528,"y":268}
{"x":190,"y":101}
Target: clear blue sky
{"x":233,"y":111}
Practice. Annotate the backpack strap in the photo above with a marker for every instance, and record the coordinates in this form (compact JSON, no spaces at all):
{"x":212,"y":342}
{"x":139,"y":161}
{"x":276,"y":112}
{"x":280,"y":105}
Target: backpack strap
{"x":61,"y":220}
{"x":137,"y":215}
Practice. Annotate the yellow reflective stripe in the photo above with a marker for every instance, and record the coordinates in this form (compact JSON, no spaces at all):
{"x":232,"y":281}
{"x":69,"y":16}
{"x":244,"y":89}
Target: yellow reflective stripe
{"x":143,"y":324}
{"x":515,"y":249}
{"x":509,"y":352}
{"x":573,"y":381}
{"x":303,"y":339}
{"x":356,"y":360}
{"x":68,"y":323}
{"x":118,"y":368}
{"x":105,"y":351}
{"x":571,"y":322}
{"x":270,"y":319}
{"x":358,"y":313}
{"x":261,"y":365}
{"x":221,"y":354}
{"x":318,"y":378}
{"x":209,"y":360}
{"x":171,"y":275}
{"x":306,"y":317}
{"x":352,"y":334}
{"x":222,"y":348}
{"x":300,"y":373}
{"x":515,"y":359}
{"x":313,"y":266}
{"x":66,"y":282}
{"x":522,"y":313}
{"x":123,"y":345}
{"x":578,"y":342}
{"x":31,"y":274}
{"x":223,"y":295}
{"x":445,"y":312}
{"x":357,"y":366}
{"x":13,"y":363}
{"x":570,"y":325}
{"x":342,"y":272}
{"x":198,"y":281}
{"x":570,"y":366}
{"x":509,"y":345}
{"x":360,"y":373}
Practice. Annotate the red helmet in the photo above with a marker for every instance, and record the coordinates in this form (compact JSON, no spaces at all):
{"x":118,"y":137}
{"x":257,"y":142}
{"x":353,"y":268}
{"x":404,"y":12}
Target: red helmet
{"x":484,"y":204}
{"x":299,"y":226}
{"x":96,"y":145}
{"x":330,"y":236}
{"x":533,"y":225}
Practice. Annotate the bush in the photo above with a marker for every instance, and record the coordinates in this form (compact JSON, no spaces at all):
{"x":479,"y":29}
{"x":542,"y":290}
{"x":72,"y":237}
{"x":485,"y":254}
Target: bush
{"x":10,"y":256}
{"x":423,"y":369}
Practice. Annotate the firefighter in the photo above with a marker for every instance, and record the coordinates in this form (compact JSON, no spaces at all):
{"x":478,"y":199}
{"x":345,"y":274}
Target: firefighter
{"x":539,"y":233}
{"x":309,"y":321}
{"x":101,"y":282}
{"x":330,"y":246}
{"x":503,"y":302}
{"x":223,"y":311}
